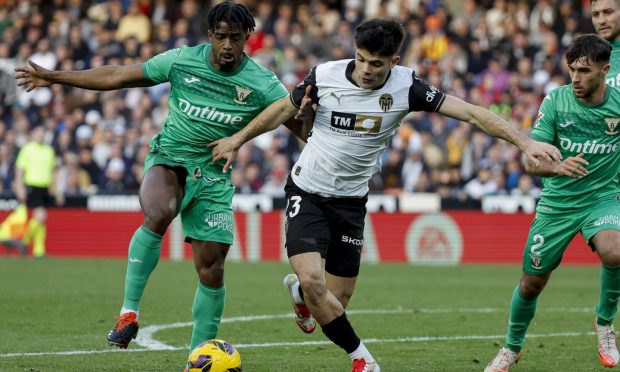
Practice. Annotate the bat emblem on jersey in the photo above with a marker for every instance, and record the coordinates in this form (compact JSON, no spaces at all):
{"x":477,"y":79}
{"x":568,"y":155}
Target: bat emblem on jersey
{"x":386,"y":101}
{"x":335,"y":96}
{"x":242,"y":95}
{"x":612,"y":126}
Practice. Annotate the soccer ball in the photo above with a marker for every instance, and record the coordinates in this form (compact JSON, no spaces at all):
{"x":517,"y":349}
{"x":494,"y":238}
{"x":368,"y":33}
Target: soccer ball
{"x":214,"y":356}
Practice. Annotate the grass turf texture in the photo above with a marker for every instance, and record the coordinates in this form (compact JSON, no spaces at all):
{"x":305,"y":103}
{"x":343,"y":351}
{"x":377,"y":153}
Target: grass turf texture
{"x":52,"y":306}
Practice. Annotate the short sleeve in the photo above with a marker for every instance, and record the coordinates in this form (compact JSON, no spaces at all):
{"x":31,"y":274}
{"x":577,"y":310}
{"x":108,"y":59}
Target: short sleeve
{"x":424,"y":96}
{"x":300,"y":90}
{"x":22,"y":157}
{"x":157,"y":68}
{"x":544,"y":126}
{"x":276,"y":91}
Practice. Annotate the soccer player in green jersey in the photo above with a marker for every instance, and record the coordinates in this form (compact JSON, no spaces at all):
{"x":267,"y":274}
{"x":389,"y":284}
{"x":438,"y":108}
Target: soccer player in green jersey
{"x":580,"y":195}
{"x":606,"y":21}
{"x":215,"y":91}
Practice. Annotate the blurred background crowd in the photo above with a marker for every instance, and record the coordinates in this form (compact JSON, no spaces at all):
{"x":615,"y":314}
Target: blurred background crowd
{"x":503,"y":55}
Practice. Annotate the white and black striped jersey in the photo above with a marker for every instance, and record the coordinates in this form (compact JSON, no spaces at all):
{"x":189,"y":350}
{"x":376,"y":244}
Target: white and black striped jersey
{"x":353,"y":126}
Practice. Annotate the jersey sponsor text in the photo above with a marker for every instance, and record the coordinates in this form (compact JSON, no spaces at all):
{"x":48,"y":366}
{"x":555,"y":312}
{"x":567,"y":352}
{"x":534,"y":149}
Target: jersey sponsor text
{"x":588,"y":147}
{"x":208,"y":113}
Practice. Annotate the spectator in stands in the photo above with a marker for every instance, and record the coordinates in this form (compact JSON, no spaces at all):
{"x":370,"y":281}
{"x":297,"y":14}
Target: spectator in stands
{"x":34,"y":170}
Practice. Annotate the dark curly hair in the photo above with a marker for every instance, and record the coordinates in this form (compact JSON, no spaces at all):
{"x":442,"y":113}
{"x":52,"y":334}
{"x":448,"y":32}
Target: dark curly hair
{"x":589,"y":46}
{"x":233,"y":14}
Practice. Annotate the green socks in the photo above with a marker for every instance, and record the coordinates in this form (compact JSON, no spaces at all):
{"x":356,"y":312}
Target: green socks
{"x":521,"y":314}
{"x":144,"y":250}
{"x":207,"y":309}
{"x":610,"y":292}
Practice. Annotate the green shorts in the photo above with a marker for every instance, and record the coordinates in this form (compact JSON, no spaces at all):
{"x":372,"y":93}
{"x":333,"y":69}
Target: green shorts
{"x":206,"y":210}
{"x":550,"y":235}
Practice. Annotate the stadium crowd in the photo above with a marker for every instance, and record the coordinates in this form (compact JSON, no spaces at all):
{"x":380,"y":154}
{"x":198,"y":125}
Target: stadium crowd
{"x":500,"y":54}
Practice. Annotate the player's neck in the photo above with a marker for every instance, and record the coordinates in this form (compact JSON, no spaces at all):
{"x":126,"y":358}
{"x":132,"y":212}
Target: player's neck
{"x":596,"y":98}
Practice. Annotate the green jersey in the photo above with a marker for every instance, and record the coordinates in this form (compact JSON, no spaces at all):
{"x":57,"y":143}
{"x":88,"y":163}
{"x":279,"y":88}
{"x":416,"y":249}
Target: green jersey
{"x":613,"y":76}
{"x":206,"y":104}
{"x":576,"y":128}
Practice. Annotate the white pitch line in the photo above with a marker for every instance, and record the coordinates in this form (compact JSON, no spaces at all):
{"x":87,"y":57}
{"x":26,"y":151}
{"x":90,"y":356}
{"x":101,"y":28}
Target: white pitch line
{"x":146,"y":340}
{"x":307,"y":343}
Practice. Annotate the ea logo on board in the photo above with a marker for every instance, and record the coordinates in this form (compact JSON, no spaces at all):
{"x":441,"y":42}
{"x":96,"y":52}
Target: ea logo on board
{"x":434,"y":239}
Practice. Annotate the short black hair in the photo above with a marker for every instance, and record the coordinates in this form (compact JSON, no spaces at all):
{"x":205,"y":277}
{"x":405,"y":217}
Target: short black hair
{"x":380,"y":36}
{"x":589,"y":46}
{"x":233,"y":14}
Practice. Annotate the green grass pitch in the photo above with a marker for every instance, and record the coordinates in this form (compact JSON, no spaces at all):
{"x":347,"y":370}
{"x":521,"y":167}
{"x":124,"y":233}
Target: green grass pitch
{"x":55,"y":314}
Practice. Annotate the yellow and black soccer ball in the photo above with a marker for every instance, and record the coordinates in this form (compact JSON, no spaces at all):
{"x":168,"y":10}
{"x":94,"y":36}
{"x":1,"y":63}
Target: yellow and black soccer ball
{"x":214,"y":356}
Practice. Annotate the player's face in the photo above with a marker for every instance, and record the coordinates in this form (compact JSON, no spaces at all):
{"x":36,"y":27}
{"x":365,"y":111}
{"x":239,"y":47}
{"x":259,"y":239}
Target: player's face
{"x":588,"y":77}
{"x":371,"y":70}
{"x":227,"y":43}
{"x":606,"y":19}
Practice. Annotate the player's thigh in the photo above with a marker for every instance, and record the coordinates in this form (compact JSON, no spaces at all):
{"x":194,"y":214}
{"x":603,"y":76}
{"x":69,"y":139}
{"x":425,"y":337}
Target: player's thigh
{"x":546,"y":242}
{"x":208,"y":215}
{"x":161,"y":192}
{"x":602,"y":230}
{"x":347,"y":237}
{"x":306,"y":225}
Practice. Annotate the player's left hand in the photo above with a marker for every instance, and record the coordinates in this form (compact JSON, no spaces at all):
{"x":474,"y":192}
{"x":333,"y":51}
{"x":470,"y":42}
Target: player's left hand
{"x":224,"y":148}
{"x":536,"y":150}
{"x":306,"y":109}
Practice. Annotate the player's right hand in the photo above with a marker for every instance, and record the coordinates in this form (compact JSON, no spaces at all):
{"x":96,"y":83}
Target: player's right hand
{"x":32,"y":77}
{"x":224,"y":148}
{"x":574,"y":167}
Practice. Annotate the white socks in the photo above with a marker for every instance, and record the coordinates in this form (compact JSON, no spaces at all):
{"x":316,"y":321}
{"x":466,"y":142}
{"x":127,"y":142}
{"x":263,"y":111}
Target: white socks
{"x":362,"y":352}
{"x":126,"y":310}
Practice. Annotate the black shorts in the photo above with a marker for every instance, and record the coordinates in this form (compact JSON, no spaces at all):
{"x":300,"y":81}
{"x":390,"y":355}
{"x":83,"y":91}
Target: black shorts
{"x":38,"y":197}
{"x":333,"y":227}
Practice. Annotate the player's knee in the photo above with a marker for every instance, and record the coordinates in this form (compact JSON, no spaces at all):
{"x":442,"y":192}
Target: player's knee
{"x":211,"y":273}
{"x":611,"y":258}
{"x":313,"y":284}
{"x":530,"y":289}
{"x":343,"y":296}
{"x":159,"y":216}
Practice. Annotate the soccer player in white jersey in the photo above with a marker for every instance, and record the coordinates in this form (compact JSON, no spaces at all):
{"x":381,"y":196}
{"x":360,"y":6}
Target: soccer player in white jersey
{"x":360,"y":105}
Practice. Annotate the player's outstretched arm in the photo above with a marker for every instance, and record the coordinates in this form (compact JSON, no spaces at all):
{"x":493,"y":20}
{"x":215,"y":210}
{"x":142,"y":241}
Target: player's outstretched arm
{"x":574,"y":167}
{"x":275,"y":114}
{"x":100,"y":78}
{"x":494,"y":125}
{"x":301,"y":125}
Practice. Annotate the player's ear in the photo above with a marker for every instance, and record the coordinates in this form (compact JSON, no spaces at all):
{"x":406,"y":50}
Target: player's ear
{"x":606,"y":68}
{"x":395,"y":60}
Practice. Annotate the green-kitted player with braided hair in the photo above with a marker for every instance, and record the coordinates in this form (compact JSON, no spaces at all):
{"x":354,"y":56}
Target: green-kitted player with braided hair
{"x":215,"y":91}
